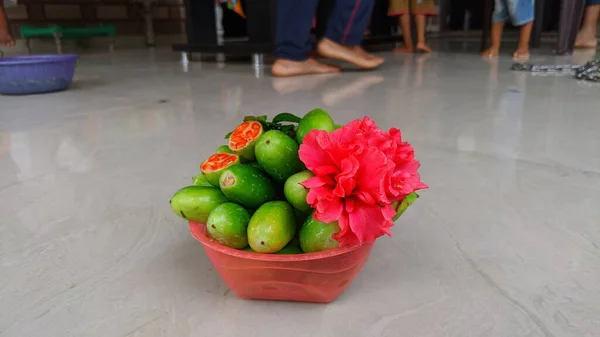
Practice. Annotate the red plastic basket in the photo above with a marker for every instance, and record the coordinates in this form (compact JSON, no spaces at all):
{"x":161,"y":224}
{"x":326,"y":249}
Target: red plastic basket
{"x":315,"y":277}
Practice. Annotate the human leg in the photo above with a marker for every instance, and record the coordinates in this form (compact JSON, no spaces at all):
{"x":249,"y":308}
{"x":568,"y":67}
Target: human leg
{"x":401,"y":9}
{"x":292,"y":41}
{"x":586,"y":38}
{"x":420,"y":9}
{"x":524,"y":37}
{"x":350,"y":29}
{"x":349,"y":21}
{"x":495,"y":39}
{"x":324,"y":9}
{"x":292,"y":36}
{"x":421,"y":44}
{"x":522,"y":12}
{"x":6,"y":38}
{"x":409,"y":46}
{"x":501,"y":14}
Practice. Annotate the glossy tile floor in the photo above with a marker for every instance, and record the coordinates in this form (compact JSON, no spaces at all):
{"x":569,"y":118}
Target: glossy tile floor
{"x":505,"y":243}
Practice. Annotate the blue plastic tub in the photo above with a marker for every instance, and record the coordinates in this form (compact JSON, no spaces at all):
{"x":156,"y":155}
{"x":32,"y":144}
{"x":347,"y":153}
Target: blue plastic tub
{"x":24,"y":75}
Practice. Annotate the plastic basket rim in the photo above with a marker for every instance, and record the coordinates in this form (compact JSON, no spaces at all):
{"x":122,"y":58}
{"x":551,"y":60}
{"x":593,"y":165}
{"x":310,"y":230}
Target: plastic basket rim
{"x":36,"y":59}
{"x":197,"y":230}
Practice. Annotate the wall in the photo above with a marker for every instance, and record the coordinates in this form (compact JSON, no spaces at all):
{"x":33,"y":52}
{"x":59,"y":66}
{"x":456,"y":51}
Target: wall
{"x":123,"y":14}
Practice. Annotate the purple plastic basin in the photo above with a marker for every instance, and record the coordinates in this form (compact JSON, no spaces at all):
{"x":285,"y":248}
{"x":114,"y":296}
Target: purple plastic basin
{"x":23,"y":75}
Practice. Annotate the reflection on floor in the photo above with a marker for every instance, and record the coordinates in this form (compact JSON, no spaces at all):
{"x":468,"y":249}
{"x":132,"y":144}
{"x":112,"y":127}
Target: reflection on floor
{"x":505,"y":243}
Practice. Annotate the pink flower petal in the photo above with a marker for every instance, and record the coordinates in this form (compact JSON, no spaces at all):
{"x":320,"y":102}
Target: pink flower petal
{"x":368,"y":222}
{"x":374,"y":166}
{"x":329,"y":209}
{"x":314,"y":182}
{"x":317,"y":193}
{"x":325,"y":170}
{"x":311,"y":153}
{"x":345,"y":179}
{"x":345,"y":237}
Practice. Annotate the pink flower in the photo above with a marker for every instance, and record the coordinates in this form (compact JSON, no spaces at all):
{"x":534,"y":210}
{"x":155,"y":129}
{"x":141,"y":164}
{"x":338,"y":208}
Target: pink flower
{"x":360,"y":170}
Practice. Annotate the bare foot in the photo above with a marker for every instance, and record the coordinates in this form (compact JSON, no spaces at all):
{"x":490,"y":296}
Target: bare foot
{"x":332,"y":50}
{"x":522,"y":53}
{"x":404,"y":50}
{"x":586,"y":44}
{"x":364,"y":53}
{"x":424,"y":48}
{"x":287,"y":68}
{"x":6,"y":40}
{"x":586,"y":38}
{"x":491,"y":52}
